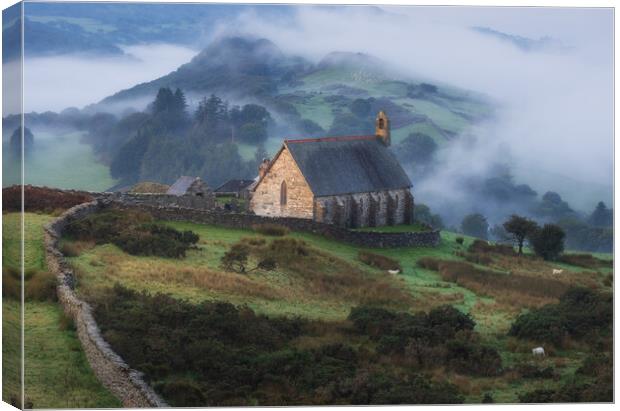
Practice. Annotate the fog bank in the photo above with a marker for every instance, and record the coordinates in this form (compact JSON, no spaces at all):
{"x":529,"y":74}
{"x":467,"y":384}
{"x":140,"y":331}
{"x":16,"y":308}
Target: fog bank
{"x":55,"y":83}
{"x":556,"y":99}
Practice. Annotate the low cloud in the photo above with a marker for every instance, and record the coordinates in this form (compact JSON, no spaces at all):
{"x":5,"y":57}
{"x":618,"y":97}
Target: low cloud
{"x":55,"y":83}
{"x":555,"y":105}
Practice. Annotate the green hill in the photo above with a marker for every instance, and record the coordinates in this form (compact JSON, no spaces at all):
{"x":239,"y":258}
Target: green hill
{"x":296,"y":91}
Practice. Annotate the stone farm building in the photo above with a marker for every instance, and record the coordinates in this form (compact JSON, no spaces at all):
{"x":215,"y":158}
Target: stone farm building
{"x":187,"y":185}
{"x":352,"y":181}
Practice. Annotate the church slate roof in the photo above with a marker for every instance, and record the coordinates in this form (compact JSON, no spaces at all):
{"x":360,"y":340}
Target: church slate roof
{"x":346,"y":165}
{"x":181,"y":186}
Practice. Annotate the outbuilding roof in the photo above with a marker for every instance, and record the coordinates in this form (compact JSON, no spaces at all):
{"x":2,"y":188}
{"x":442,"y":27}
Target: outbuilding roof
{"x":181,"y":186}
{"x":233,"y":186}
{"x":347,"y":165}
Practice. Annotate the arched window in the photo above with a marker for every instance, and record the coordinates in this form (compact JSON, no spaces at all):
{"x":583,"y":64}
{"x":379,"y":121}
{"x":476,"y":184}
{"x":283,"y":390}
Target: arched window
{"x":381,"y":123}
{"x":283,"y":194}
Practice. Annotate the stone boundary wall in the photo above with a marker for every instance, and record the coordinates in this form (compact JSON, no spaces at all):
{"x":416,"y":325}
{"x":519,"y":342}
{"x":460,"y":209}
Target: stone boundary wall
{"x":369,"y":239}
{"x":206,"y":202}
{"x":124,"y":382}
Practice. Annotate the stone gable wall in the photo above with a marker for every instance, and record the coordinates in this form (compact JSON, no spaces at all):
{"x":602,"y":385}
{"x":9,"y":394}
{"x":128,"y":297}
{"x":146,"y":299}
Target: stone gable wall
{"x":266,"y":198}
{"x":125,"y":383}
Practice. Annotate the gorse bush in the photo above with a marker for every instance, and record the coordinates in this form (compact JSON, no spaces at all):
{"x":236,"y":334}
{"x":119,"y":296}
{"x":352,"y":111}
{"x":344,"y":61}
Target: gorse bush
{"x":379,"y":261}
{"x":216,"y":354}
{"x":579,"y":313}
{"x":133,"y":232}
{"x":271,"y":229}
{"x":428,"y":339}
{"x":467,"y":357}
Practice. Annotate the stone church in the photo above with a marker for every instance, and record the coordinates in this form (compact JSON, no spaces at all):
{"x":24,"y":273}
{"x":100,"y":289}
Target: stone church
{"x":352,"y":181}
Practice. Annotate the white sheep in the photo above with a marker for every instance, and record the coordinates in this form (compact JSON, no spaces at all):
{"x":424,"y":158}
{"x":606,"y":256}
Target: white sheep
{"x":557,"y":271}
{"x":538,"y":351}
{"x":393,"y":272}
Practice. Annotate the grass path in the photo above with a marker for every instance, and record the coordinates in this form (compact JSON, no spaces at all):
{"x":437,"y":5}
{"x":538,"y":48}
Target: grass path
{"x":57,"y":374}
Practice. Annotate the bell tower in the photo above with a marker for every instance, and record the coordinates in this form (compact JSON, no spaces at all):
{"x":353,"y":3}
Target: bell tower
{"x":382,"y":128}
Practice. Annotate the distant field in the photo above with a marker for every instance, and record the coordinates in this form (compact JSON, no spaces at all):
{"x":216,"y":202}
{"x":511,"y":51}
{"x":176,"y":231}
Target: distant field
{"x":317,"y":110}
{"x":60,"y":161}
{"x":425,"y":127}
{"x":57,"y":374}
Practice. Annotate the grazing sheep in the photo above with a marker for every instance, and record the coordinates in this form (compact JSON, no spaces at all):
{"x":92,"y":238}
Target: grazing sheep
{"x":538,"y":351}
{"x":394,"y":272}
{"x":556,"y":271}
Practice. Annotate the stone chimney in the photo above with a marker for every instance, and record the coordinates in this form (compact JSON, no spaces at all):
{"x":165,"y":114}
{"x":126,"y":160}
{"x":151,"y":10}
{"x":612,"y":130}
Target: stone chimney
{"x":382,"y":128}
{"x":262,"y":168}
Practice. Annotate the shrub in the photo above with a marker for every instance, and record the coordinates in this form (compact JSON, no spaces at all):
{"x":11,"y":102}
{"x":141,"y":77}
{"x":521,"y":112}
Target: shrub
{"x":548,"y":241}
{"x":11,"y":283}
{"x":533,"y":371}
{"x":579,"y":313}
{"x":66,"y":323}
{"x":236,"y":258}
{"x":133,"y":232}
{"x":447,"y":320}
{"x":183,"y":393}
{"x":585,"y":260}
{"x":469,"y":358}
{"x":271,"y":229}
{"x":483,"y":247}
{"x":287,"y":250}
{"x":41,"y":287}
{"x":487,"y":399}
{"x":379,"y":261}
{"x":537,"y":396}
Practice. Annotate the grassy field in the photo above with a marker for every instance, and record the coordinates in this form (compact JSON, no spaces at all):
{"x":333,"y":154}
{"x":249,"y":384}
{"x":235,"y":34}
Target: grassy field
{"x":57,"y":374}
{"x":47,"y":164}
{"x":199,"y":277}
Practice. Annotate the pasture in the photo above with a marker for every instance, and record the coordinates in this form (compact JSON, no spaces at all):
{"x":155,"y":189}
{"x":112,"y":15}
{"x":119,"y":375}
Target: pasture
{"x":60,"y":160}
{"x":331,"y":281}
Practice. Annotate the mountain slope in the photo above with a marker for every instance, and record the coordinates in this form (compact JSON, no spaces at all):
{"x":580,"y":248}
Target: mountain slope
{"x":296,"y":90}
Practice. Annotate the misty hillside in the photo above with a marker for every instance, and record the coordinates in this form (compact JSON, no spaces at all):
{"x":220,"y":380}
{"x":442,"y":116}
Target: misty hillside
{"x":243,"y":69}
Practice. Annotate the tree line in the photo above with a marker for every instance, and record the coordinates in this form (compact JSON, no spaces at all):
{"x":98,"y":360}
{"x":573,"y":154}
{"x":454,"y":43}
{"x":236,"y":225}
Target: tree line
{"x":168,"y":141}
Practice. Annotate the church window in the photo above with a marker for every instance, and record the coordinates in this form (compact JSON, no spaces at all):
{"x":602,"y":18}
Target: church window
{"x":283,"y":194}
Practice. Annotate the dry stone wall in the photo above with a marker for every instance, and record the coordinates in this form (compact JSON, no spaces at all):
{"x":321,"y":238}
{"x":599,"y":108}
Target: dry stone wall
{"x":125,"y":383}
{"x":430,"y":238}
{"x":112,"y":371}
{"x":205,"y":202}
